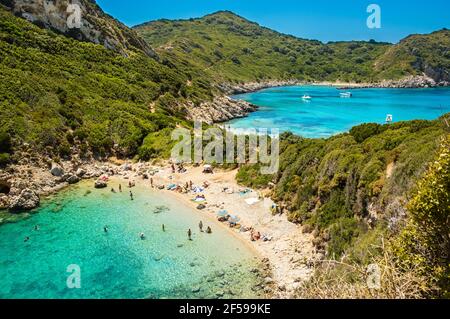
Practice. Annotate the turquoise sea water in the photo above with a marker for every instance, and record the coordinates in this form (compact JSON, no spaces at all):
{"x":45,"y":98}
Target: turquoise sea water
{"x":327,"y":114}
{"x":118,"y":264}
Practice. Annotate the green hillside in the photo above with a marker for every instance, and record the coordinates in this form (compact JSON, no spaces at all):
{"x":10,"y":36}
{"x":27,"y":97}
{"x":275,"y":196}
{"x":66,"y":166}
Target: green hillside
{"x":233,"y":49}
{"x":418,"y":54}
{"x":55,"y":90}
{"x":341,"y":185}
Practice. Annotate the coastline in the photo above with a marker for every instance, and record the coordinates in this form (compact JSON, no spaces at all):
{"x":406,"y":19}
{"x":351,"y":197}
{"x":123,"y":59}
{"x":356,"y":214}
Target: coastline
{"x":286,"y":260}
{"x":288,"y":256}
{"x":225,"y":108}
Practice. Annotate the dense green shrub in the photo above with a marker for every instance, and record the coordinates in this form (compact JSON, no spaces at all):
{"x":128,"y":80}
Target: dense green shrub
{"x":327,"y":183}
{"x":362,"y":132}
{"x":5,"y":142}
{"x":4,"y":159}
{"x":425,"y":243}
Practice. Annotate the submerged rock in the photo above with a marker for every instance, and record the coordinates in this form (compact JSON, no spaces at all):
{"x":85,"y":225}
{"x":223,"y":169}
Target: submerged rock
{"x":27,"y":200}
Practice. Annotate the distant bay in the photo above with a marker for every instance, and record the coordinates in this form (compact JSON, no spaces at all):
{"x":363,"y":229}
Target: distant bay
{"x":327,"y":113}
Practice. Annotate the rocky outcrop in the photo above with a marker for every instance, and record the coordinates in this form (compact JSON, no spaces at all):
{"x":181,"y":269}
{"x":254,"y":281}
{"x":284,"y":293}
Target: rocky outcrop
{"x":57,"y":170}
{"x":221,"y":109}
{"x":422,"y":81}
{"x":231,"y":89}
{"x":27,"y":200}
{"x":409,"y":82}
{"x":93,"y":26}
{"x":100,"y":184}
{"x":72,"y":179}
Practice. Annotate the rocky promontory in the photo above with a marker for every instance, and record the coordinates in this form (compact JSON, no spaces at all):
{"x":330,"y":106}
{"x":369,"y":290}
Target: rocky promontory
{"x":221,"y":109}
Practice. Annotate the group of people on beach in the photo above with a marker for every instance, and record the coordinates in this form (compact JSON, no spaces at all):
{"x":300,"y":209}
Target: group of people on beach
{"x":131,"y":184}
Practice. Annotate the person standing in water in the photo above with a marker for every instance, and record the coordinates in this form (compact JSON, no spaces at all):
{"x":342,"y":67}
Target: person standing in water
{"x":120,"y":188}
{"x":36,"y":228}
{"x":208,"y":230}
{"x":163,"y":228}
{"x":151,"y":182}
{"x":190,"y":234}
{"x":131,"y":195}
{"x":200,"y":225}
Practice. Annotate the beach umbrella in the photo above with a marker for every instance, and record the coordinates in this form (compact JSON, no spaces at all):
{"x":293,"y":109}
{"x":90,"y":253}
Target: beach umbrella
{"x":234,"y":219}
{"x":222,"y":213}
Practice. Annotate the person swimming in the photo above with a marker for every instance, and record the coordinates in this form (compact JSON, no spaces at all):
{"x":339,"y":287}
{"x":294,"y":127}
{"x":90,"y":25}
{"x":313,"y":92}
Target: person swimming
{"x":142,"y":236}
{"x":105,"y":229}
{"x":36,"y":228}
{"x":26,"y":239}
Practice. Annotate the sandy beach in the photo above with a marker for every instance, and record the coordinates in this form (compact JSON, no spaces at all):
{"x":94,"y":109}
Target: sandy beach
{"x":288,"y":251}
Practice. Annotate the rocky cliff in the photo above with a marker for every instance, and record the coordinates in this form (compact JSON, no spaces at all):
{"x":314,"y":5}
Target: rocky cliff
{"x":81,"y":19}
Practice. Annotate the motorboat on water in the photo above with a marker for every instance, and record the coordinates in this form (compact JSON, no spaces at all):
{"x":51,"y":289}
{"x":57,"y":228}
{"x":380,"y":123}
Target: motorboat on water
{"x":306,"y":98}
{"x":346,"y":95}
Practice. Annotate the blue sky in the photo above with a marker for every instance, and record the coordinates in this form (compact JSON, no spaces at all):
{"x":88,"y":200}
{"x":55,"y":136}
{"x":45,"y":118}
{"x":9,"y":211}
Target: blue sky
{"x":325,"y":20}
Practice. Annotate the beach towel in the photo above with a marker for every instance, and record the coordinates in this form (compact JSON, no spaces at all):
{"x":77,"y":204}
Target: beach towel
{"x":252,"y":201}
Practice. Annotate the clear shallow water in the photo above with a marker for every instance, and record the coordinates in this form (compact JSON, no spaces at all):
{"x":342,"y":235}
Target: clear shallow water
{"x":327,"y":114}
{"x":118,"y":264}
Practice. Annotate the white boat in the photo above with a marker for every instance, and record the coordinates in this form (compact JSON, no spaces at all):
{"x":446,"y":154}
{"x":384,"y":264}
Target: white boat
{"x":346,"y":95}
{"x":306,"y":98}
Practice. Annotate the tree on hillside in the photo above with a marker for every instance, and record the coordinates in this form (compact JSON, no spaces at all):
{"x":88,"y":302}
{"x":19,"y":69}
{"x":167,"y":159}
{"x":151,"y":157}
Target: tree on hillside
{"x":425,"y":242}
